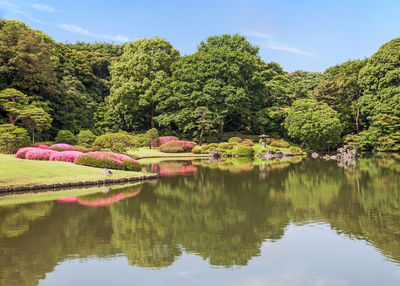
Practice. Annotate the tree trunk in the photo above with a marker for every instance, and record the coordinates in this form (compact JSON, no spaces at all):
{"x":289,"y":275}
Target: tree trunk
{"x":357,"y":117}
{"x":11,"y":119}
{"x":201,"y":135}
{"x":302,"y":144}
{"x":152,"y":122}
{"x":33,"y":135}
{"x":221,"y":128}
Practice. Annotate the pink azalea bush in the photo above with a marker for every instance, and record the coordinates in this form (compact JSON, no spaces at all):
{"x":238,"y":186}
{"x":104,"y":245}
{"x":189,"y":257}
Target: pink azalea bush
{"x":187,"y":145}
{"x":38,"y":154}
{"x":42,"y":146}
{"x":108,"y":160}
{"x":65,"y":156}
{"x":161,"y":140}
{"x":62,"y":147}
{"x":22,"y":152}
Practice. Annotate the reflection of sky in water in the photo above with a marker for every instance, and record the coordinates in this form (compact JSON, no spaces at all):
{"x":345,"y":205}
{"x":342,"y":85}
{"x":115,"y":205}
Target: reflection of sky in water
{"x":306,"y":255}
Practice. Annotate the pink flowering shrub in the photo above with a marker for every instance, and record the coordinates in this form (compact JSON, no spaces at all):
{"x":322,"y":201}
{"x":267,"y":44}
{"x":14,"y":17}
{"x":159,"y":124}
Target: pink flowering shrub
{"x":62,"y":147}
{"x":187,"y":145}
{"x":161,"y":140}
{"x":65,"y":156}
{"x":42,"y":146}
{"x":108,"y":160}
{"x":22,"y":152}
{"x":38,"y":154}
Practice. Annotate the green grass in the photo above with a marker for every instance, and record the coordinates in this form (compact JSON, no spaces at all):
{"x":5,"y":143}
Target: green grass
{"x":145,"y":152}
{"x":17,"y":172}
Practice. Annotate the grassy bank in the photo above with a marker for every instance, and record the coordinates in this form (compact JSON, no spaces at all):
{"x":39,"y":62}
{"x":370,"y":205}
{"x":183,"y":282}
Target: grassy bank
{"x":17,"y":172}
{"x":145,"y":152}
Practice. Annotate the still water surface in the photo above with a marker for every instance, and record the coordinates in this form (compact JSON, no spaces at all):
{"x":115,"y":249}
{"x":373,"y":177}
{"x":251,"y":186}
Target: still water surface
{"x":240,"y":222}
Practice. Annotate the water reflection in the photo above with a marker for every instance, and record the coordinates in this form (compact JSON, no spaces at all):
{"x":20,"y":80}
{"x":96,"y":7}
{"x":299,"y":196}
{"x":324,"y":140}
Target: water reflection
{"x":220,"y":211}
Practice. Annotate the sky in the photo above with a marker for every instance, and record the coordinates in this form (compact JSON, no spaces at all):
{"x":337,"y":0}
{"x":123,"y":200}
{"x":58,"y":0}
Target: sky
{"x":307,"y":35}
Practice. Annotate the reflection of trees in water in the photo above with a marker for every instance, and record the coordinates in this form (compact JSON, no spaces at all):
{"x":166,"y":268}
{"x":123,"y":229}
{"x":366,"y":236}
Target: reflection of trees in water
{"x":222,"y":216}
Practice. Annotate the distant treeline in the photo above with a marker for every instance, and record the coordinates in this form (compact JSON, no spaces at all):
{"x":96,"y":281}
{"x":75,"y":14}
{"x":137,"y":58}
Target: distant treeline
{"x":223,"y":87}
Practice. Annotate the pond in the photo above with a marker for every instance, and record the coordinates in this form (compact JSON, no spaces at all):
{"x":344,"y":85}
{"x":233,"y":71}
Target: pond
{"x":238,"y":222}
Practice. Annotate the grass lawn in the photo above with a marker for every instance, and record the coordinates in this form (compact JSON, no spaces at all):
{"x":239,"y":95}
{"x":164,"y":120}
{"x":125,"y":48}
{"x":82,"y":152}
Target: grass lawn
{"x":146,"y":152}
{"x":18,"y":172}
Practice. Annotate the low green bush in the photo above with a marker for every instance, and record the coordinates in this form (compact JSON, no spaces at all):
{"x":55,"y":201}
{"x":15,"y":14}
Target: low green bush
{"x":196,"y":150}
{"x":12,"y":138}
{"x":85,"y":138}
{"x":280,"y":144}
{"x":116,"y":142}
{"x":211,"y":139}
{"x":172,"y":147}
{"x":65,"y":136}
{"x":225,"y":146}
{"x":242,"y":151}
{"x":296,"y":150}
{"x":235,"y":140}
{"x":95,"y":148}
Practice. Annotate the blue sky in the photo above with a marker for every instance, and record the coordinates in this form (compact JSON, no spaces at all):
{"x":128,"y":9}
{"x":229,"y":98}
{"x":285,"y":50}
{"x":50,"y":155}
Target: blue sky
{"x":309,"y":34}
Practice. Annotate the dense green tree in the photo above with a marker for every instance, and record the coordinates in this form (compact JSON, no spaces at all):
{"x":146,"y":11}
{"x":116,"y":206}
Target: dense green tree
{"x":12,"y":138}
{"x":137,"y":77}
{"x":313,"y":123}
{"x":304,"y":82}
{"x":13,"y":102}
{"x":224,"y":76}
{"x":65,"y":136}
{"x":34,"y":118}
{"x":340,"y":90}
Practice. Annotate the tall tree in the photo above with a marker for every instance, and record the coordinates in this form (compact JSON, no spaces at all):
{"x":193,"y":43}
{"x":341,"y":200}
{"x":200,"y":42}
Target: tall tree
{"x":313,"y":123}
{"x":224,"y":76}
{"x":137,"y":77}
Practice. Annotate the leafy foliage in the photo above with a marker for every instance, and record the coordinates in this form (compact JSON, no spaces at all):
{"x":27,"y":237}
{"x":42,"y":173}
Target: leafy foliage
{"x":12,"y":138}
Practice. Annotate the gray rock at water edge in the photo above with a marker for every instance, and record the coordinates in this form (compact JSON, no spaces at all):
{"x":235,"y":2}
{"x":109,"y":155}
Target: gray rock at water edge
{"x":214,"y":154}
{"x":107,"y":172}
{"x":267,"y":156}
{"x":106,"y":190}
{"x":332,"y":157}
{"x":315,"y":155}
{"x":279,"y":154}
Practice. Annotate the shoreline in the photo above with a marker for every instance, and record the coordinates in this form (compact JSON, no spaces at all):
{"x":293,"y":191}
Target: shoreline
{"x":27,"y":188}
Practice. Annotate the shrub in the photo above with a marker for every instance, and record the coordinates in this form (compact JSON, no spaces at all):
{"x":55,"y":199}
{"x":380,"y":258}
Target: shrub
{"x":172,"y":147}
{"x":295,"y":150}
{"x":235,"y":140}
{"x":65,"y":136}
{"x":62,"y":147}
{"x":22,"y":152}
{"x":280,"y":144}
{"x":38,"y":154}
{"x":95,"y":148}
{"x":85,"y":138}
{"x":242,"y":150}
{"x":187,"y":145}
{"x":81,"y":149}
{"x":116,"y":142}
{"x":225,"y":146}
{"x":161,"y":140}
{"x":196,"y":150}
{"x":65,"y":156}
{"x":42,"y":146}
{"x":108,"y":160}
{"x":12,"y":138}
{"x":248,"y":142}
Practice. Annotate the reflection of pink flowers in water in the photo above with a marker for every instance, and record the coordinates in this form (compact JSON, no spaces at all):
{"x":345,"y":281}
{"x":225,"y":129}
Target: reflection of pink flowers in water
{"x":183,"y":170}
{"x":99,"y":202}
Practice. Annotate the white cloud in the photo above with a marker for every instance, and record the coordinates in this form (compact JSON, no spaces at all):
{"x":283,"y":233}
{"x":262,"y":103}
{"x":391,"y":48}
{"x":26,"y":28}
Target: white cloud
{"x":271,"y":44}
{"x":75,"y":29}
{"x":79,"y":30}
{"x":280,"y":47}
{"x":14,"y":8}
{"x":44,"y":8}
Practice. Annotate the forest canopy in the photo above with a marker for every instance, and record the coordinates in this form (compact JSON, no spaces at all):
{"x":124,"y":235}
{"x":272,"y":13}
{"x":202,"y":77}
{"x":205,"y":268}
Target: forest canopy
{"x":224,"y":86}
